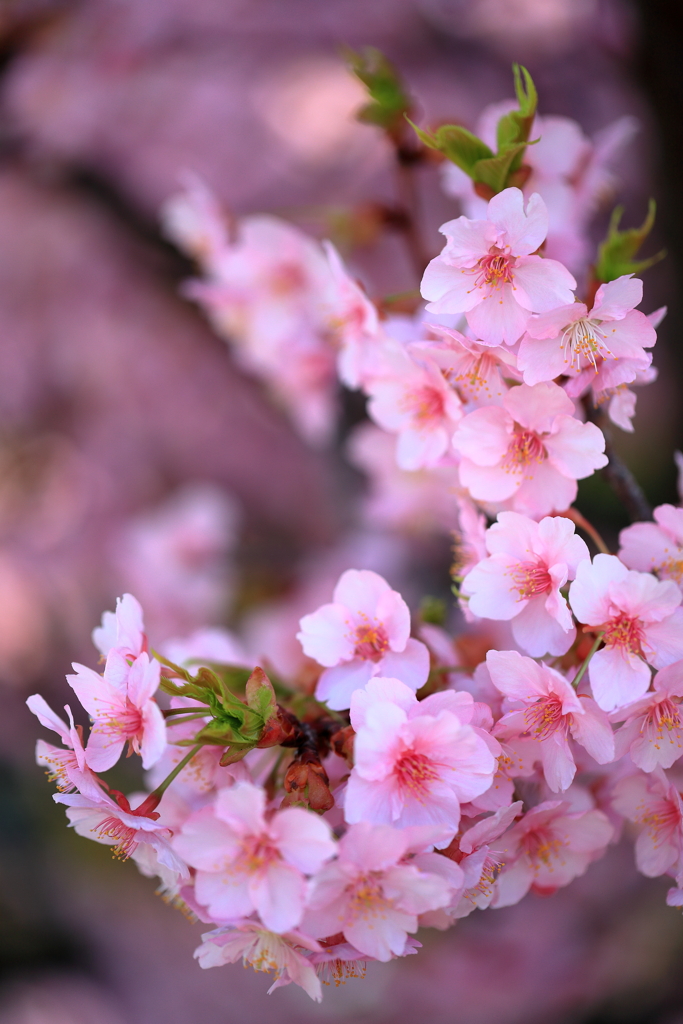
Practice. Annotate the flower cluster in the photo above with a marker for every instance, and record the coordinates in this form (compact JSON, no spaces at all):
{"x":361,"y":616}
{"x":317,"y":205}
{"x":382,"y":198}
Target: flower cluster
{"x":315,"y":819}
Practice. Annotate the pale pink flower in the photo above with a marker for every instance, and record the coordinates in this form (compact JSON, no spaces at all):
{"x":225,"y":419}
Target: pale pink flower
{"x":369,"y":895}
{"x":606,"y":345}
{"x":548,"y":848}
{"x":121,"y":706}
{"x":364,"y":633}
{"x":421,"y":501}
{"x":411,"y":397}
{"x":481,"y":861}
{"x":529,"y":452}
{"x":568,"y":170}
{"x":656,"y":547}
{"x":116,"y":824}
{"x":264,"y":951}
{"x":122,"y":629}
{"x":652,"y":732}
{"x":642,"y":623}
{"x":488,"y":272}
{"x":353,"y":323}
{"x":415,"y":761}
{"x":475,"y":371}
{"x":546,"y":708}
{"x":196,"y":222}
{"x":521,"y":580}
{"x":246,"y":862}
{"x":653,"y":802}
{"x":67,"y":765}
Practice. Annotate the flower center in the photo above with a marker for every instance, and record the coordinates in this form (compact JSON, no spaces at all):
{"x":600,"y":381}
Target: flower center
{"x":124,"y":721}
{"x":524,"y":448}
{"x":371,"y":640}
{"x":530,"y":579}
{"x":61,"y":763}
{"x":584,"y":339}
{"x":256,"y":854}
{"x":366,"y":899}
{"x":415,"y":772}
{"x":113,"y":828}
{"x":545,"y":717}
{"x":541,"y":845}
{"x":624,"y":632}
{"x":662,"y":819}
{"x":495,"y":269}
{"x":425,"y":403}
{"x":672,"y":569}
{"x":287,"y":279}
{"x":664,"y":715}
{"x":338,"y":972}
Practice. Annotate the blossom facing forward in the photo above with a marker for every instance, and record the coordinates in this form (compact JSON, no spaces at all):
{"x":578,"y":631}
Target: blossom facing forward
{"x":520,"y":581}
{"x":652,"y":732}
{"x":641,"y":621}
{"x":529,"y":451}
{"x":415,"y":762}
{"x":365,"y":632}
{"x":487,"y":270}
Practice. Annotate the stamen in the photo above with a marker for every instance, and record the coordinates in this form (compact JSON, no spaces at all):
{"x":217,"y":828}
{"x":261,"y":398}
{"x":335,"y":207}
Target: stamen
{"x":584,"y":339}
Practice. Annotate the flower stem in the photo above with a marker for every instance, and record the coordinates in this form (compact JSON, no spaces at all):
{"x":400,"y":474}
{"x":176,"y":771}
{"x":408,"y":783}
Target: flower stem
{"x":582,"y":671}
{"x":587,"y":527}
{"x":163,"y":786}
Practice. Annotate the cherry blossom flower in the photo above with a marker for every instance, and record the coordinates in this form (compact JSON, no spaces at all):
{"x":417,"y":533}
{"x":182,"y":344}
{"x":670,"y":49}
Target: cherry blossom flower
{"x":66,"y":766}
{"x":415,"y":761}
{"x":365,"y":632}
{"x":654,"y":802}
{"x":652,"y":732}
{"x":116,"y":824}
{"x":122,"y":708}
{"x":605,"y":346}
{"x":529,"y":452}
{"x":264,"y":951}
{"x":656,"y":547}
{"x":488,"y":272}
{"x":528,"y":564}
{"x":411,"y":397}
{"x":196,"y":222}
{"x":352,"y":321}
{"x":474,"y":371}
{"x":122,"y":629}
{"x":369,"y":895}
{"x":544,"y":706}
{"x":481,"y":861}
{"x":642,"y":625}
{"x":246,"y":863}
{"x":548,"y":848}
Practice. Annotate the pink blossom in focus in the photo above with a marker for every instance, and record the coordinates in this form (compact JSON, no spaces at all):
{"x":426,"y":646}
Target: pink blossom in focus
{"x":410,"y":397}
{"x":120,"y":703}
{"x":246,"y":862}
{"x":481,"y":861}
{"x":364,"y":633}
{"x":116,"y":824}
{"x":528,"y":564}
{"x":264,"y":951}
{"x":652,"y":732}
{"x":548,"y":848}
{"x":546,"y":708}
{"x":656,"y":547}
{"x":415,"y":761}
{"x":605,"y":346}
{"x":122,"y":629}
{"x":642,"y":622}
{"x":67,"y":765}
{"x":488,"y":272}
{"x":369,"y":895}
{"x":475,"y":371}
{"x":528,"y":452}
{"x":655,"y":803}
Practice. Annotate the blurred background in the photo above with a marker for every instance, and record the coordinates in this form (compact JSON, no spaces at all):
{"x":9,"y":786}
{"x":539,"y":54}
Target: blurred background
{"x":135,"y":455}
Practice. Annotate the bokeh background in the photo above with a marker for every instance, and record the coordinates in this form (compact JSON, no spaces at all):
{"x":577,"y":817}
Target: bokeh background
{"x":135,"y":455}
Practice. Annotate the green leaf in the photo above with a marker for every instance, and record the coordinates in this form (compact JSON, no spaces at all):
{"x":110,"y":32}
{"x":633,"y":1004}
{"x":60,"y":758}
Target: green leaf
{"x":389,"y":100}
{"x":616,"y":254}
{"x":495,"y":171}
{"x":261,"y":695}
{"x":457,"y":143}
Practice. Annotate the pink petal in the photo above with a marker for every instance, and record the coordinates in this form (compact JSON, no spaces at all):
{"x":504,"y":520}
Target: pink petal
{"x":153,"y":734}
{"x":537,"y":407}
{"x":617,"y":677}
{"x":483,"y":436}
{"x":324,"y":635}
{"x":303,"y":839}
{"x":499,"y":318}
{"x":524,"y":230}
{"x":278,"y":895}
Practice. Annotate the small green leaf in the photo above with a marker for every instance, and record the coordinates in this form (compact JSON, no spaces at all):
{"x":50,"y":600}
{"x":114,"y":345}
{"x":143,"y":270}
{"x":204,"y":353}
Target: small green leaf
{"x":616,"y":254}
{"x":261,"y":695}
{"x":389,"y":100}
{"x":457,"y":143}
{"x":495,"y":171}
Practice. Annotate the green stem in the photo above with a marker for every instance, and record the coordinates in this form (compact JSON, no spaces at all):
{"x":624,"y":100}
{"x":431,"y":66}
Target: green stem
{"x":163,"y":786}
{"x":188,"y":712}
{"x":582,"y":671}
